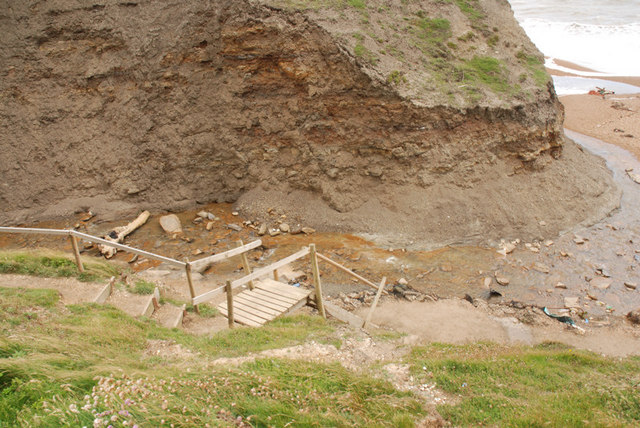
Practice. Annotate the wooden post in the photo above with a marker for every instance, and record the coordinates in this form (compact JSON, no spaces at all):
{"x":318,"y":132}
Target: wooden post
{"x":76,"y":252}
{"x":187,"y":268}
{"x":275,"y":275}
{"x":229,"y":291}
{"x":245,"y":264}
{"x":316,"y":280}
{"x":375,"y":302}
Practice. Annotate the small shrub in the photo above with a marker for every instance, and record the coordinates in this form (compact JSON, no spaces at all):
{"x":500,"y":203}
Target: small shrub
{"x":143,"y":287}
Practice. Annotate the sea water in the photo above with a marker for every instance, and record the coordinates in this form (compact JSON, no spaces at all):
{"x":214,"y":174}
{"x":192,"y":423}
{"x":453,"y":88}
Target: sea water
{"x":603,"y":36}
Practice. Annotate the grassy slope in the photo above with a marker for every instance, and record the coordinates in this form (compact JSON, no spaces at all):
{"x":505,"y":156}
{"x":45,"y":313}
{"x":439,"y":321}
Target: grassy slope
{"x":89,"y":365}
{"x":417,"y":48}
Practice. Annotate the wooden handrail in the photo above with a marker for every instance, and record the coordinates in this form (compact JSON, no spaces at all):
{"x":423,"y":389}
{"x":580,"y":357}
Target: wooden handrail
{"x":349,"y":271}
{"x":268,"y":269}
{"x":227,"y":254}
{"x":35,"y":230}
{"x":207,"y":296}
{"x":122,"y":247}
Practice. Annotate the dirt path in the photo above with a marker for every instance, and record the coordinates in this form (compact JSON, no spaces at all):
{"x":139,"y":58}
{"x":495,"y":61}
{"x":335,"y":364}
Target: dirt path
{"x":71,"y":290}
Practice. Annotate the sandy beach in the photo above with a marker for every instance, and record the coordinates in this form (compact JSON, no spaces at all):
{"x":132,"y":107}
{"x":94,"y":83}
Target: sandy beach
{"x":614,"y":119}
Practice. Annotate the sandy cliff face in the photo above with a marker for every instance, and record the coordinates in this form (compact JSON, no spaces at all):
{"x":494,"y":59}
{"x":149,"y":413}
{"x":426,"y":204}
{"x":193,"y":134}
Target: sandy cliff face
{"x":348,"y":116}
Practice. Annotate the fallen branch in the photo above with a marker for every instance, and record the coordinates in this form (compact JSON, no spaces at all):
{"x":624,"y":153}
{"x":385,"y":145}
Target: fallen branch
{"x":118,"y":234}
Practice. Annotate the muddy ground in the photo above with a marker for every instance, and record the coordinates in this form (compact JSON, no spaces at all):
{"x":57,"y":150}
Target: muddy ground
{"x":599,"y":265}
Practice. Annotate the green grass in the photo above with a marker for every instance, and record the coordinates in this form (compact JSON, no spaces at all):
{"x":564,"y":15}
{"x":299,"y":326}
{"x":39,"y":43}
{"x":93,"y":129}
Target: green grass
{"x":471,"y":8}
{"x":361,"y":51}
{"x":51,"y":363}
{"x":143,"y":287}
{"x":535,"y":66}
{"x":547,"y":385}
{"x":486,"y":71}
{"x":53,"y":265}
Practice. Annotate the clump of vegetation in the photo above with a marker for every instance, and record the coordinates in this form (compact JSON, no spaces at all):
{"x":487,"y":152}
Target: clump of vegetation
{"x":486,"y":71}
{"x":535,"y":66}
{"x":362,"y":52}
{"x":53,"y":265}
{"x":472,"y":9}
{"x":143,"y":287}
{"x":549,"y":384}
{"x":396,"y":77}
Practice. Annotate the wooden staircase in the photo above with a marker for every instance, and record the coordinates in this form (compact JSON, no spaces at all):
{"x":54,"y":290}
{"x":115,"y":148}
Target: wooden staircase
{"x":267,"y":300}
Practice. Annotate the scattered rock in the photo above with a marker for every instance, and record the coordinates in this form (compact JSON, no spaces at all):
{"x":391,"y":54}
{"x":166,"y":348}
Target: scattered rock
{"x":274,"y":232}
{"x":572,"y":302}
{"x":262,"y":229}
{"x":210,"y":225}
{"x":211,"y":217}
{"x":541,"y":267}
{"x":634,"y":316}
{"x":197,"y":252}
{"x":308,"y":230}
{"x":561,"y":285}
{"x":501,"y":279}
{"x":204,"y":215}
{"x":171,"y":224}
{"x":548,"y":243}
{"x":578,"y":240}
{"x":296,"y":230}
{"x":601,"y":283}
{"x":197,"y":220}
{"x":634,"y":177}
{"x":403,"y":281}
{"x":235,"y":213}
{"x":487,"y":282}
{"x":235,"y":227}
{"x":592,"y":296}
{"x":631,"y":285}
{"x":284,"y":228}
{"x":507,"y":248}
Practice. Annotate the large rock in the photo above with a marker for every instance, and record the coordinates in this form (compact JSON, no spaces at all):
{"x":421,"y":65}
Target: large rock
{"x":171,"y":224}
{"x":634,"y":316}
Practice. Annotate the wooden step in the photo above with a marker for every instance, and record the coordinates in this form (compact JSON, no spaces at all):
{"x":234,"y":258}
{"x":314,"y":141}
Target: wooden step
{"x":268,"y":300}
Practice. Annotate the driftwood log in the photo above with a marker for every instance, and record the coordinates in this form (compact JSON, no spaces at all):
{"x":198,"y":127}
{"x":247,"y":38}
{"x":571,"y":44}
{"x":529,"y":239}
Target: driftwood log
{"x":118,"y":234}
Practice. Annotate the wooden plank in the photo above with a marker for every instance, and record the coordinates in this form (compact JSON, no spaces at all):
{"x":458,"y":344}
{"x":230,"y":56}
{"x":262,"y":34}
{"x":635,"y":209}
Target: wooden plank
{"x":343,"y":315}
{"x":350,"y":272}
{"x":205,"y":297}
{"x":317,"y":283}
{"x":241,"y":314}
{"x":255,"y":312}
{"x":76,"y":252}
{"x":147,"y":254}
{"x":105,"y":292}
{"x":297,"y":306}
{"x":239,"y":318}
{"x":375,"y":302}
{"x":266,"y":301}
{"x":288,"y":300}
{"x":245,"y":263}
{"x":192,"y":292}
{"x":268,"y":269}
{"x":288,"y":290}
{"x":229,"y":307}
{"x":260,"y":304}
{"x":35,"y":230}
{"x":227,"y":254}
{"x":242,"y":300}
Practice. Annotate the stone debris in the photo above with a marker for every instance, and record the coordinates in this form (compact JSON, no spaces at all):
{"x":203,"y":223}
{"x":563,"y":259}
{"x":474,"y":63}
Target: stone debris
{"x":262,"y":230}
{"x":631,"y":285}
{"x":579,"y":239}
{"x":308,"y":230}
{"x":274,"y":232}
{"x":507,"y":248}
{"x":235,"y":227}
{"x":204,"y":215}
{"x":502,"y":280}
{"x":210,"y":225}
{"x":541,"y":267}
{"x":284,"y":228}
{"x":171,"y":224}
{"x":601,"y":283}
{"x":487,"y":282}
{"x":572,"y":303}
{"x":633,"y":176}
{"x":532,"y":247}
{"x":403,"y":281}
{"x":634,"y":316}
{"x":561,"y":285}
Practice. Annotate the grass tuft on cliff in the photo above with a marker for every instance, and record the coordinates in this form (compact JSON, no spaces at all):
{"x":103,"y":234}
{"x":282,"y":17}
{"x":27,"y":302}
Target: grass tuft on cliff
{"x":545,"y":385}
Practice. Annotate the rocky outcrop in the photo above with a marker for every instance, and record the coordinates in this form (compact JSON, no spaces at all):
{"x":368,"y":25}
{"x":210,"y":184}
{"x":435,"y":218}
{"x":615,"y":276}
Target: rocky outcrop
{"x":164,"y":104}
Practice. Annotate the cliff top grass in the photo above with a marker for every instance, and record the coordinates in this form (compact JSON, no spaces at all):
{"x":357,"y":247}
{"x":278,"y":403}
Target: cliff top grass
{"x":457,"y":52}
{"x":93,"y":365}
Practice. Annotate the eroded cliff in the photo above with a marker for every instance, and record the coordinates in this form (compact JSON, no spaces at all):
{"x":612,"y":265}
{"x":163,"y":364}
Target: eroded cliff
{"x":425,"y":121}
